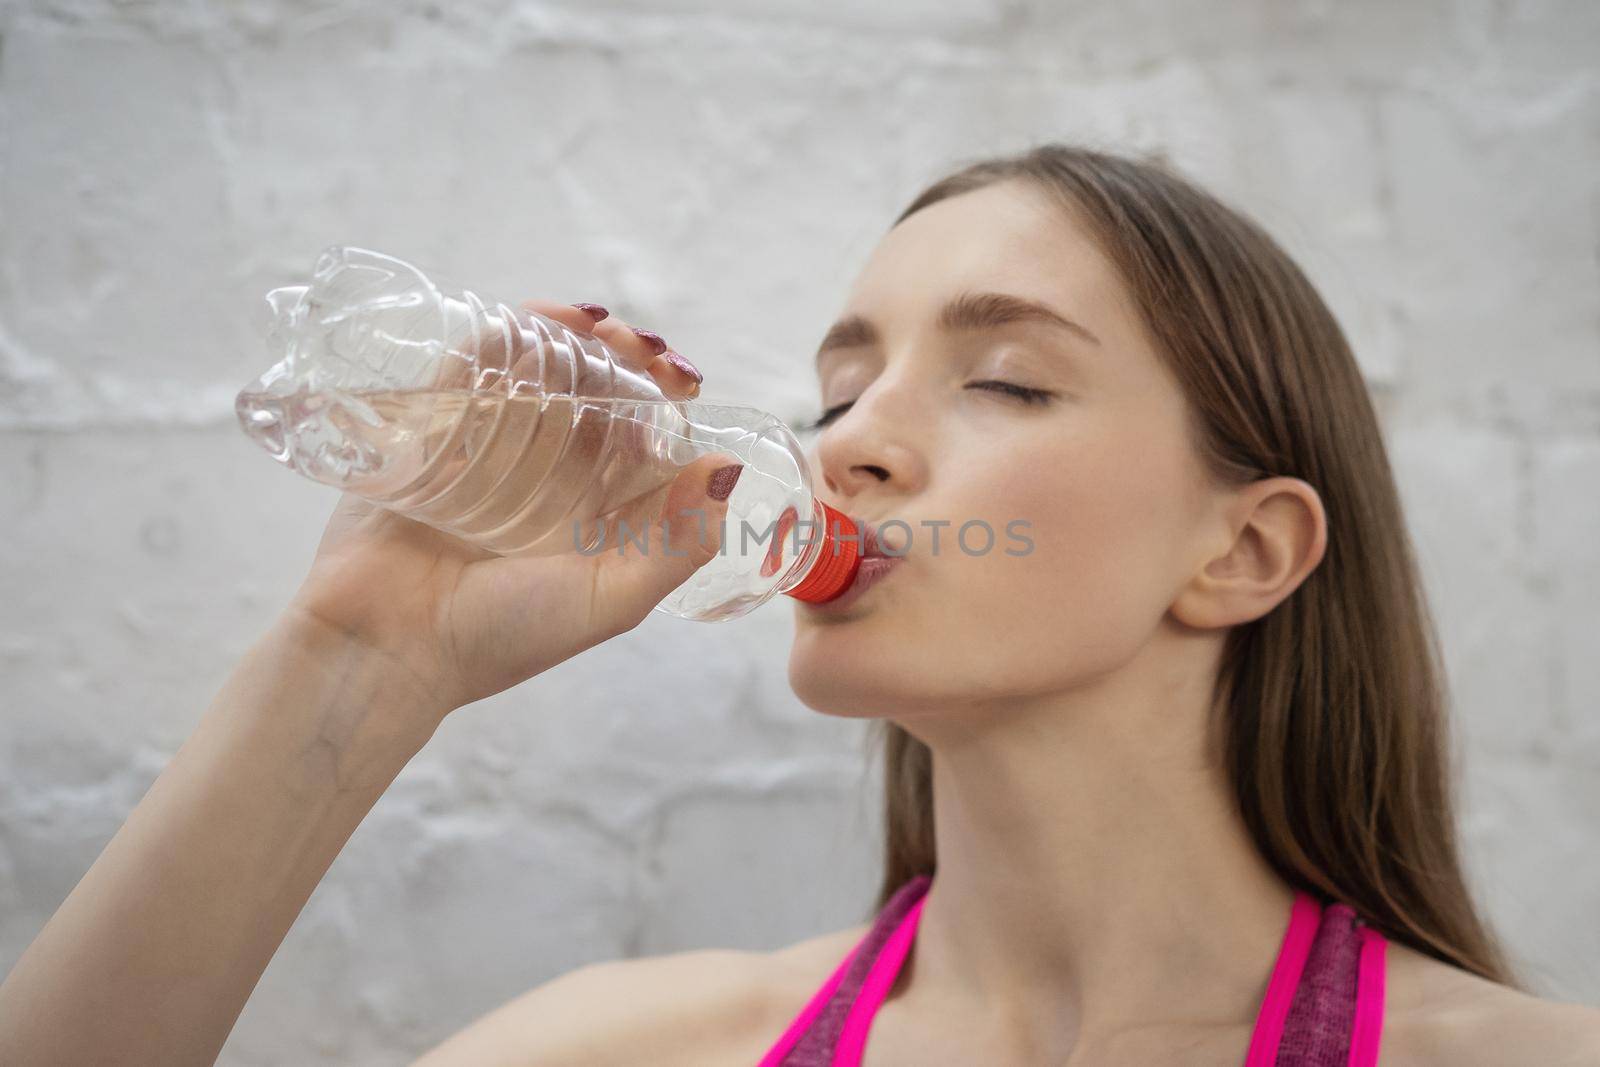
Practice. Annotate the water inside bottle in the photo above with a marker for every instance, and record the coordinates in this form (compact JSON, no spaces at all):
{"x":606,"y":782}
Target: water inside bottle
{"x":515,"y":474}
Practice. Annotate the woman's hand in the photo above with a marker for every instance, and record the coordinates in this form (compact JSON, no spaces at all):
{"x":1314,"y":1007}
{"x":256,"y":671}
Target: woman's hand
{"x":455,"y":623}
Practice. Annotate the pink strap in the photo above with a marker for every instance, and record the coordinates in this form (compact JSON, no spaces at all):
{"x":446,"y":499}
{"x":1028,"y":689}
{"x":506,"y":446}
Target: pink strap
{"x":807,"y":1014}
{"x":1304,"y":918}
{"x":1369,"y":1001}
{"x":853,"y":1039}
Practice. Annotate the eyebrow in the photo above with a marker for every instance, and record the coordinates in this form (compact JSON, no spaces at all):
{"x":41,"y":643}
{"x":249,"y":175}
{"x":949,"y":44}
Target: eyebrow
{"x":969,"y":311}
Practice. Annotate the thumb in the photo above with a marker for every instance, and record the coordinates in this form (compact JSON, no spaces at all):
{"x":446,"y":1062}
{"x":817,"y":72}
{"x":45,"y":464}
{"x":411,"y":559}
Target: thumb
{"x":687,"y":536}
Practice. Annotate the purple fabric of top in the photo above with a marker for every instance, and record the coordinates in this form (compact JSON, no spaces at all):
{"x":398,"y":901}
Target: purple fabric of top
{"x":1322,"y":1014}
{"x":1315,"y":1034}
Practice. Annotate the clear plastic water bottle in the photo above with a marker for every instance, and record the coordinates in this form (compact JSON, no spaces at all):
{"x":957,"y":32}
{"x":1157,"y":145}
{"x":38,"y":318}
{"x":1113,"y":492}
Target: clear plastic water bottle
{"x":508,"y":430}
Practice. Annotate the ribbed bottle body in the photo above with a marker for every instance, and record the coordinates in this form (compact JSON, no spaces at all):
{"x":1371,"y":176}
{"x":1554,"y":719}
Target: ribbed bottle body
{"x":508,"y":430}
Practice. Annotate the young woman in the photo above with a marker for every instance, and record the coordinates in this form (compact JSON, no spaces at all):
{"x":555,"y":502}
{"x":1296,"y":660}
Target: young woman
{"x":1169,"y":787}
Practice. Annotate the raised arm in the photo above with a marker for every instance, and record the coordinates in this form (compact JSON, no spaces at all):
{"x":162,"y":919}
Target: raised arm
{"x":153,"y":955}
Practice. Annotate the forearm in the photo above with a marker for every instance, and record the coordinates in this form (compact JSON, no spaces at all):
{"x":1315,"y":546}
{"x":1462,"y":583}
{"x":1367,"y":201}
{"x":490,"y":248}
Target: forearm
{"x":152,"y":956}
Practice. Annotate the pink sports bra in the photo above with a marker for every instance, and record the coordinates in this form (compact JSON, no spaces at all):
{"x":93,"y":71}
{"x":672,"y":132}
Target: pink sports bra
{"x":1323,"y":1006}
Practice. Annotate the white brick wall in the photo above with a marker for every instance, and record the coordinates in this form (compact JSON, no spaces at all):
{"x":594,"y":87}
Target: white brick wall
{"x":718,"y":170}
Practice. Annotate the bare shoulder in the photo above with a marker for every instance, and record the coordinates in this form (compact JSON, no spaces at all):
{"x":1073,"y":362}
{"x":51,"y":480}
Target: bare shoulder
{"x":703,"y":1007}
{"x":1438,"y":1014}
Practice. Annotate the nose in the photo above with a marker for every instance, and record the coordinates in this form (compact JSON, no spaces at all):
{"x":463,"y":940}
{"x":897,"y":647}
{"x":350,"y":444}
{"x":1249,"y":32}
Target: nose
{"x":875,"y":449}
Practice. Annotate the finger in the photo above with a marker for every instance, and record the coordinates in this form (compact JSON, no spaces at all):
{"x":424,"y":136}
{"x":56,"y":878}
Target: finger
{"x":484,"y":344}
{"x":629,"y":583}
{"x":638,"y":348}
{"x":676,"y":376}
{"x":569,"y":315}
{"x":503,"y":346}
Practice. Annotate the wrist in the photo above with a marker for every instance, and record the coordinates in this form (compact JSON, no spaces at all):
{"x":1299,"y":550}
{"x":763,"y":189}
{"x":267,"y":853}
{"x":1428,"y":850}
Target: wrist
{"x":363,"y":696}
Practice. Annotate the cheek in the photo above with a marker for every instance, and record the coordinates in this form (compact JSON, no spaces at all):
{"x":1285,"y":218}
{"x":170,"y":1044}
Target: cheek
{"x":1103,"y":513}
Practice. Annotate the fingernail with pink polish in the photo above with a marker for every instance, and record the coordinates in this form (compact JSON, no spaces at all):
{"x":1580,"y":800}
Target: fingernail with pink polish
{"x":682,"y":364}
{"x":595,"y":311}
{"x":652,"y":339}
{"x":720,"y":485}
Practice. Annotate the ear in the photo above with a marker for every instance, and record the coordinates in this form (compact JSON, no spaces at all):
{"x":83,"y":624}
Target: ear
{"x":1273,"y":534}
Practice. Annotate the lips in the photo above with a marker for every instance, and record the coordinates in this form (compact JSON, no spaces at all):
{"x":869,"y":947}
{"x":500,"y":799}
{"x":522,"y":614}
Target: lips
{"x":869,"y":573}
{"x":875,"y":563}
{"x":872,"y":546}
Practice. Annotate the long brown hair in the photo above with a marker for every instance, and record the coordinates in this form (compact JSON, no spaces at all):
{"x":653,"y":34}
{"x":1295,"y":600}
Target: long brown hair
{"x":1333,"y":704}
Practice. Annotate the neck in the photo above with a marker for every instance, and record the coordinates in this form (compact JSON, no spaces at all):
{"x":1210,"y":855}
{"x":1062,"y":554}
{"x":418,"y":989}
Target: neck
{"x":1093,"y":868}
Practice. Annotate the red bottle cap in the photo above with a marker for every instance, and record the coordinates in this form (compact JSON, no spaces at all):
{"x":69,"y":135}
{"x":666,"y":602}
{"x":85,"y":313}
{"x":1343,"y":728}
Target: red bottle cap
{"x":836,"y":566}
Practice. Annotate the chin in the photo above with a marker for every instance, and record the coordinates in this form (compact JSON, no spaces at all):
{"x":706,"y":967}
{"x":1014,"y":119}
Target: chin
{"x":833,"y":675}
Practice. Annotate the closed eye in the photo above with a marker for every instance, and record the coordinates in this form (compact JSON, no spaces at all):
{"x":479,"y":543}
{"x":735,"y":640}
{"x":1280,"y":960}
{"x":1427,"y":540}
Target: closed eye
{"x":1021,"y":392}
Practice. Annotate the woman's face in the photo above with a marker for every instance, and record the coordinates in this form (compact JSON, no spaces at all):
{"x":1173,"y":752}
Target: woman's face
{"x":1100,"y":478}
